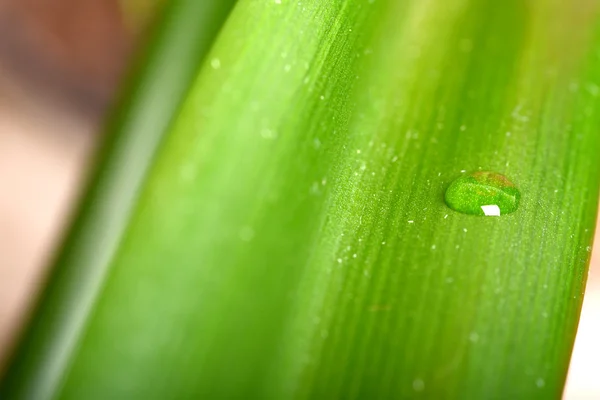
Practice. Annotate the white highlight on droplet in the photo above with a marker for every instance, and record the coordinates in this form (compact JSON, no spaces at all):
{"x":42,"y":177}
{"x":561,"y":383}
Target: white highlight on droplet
{"x":491,"y":210}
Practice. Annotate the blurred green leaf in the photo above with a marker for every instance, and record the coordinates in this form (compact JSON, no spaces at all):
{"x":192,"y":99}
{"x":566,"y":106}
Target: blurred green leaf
{"x":291,"y":240}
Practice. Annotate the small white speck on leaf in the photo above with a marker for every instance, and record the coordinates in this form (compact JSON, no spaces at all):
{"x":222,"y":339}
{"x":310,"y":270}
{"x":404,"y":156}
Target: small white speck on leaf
{"x":465,"y":45}
{"x":215,"y":63}
{"x":267,"y":133}
{"x":246,"y":233}
{"x":315,"y":188}
{"x":540,"y":382}
{"x":593,"y":89}
{"x":474,"y":337}
{"x":418,"y":385}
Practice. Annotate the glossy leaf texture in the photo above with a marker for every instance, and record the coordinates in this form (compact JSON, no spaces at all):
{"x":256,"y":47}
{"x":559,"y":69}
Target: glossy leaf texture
{"x":291,"y":238}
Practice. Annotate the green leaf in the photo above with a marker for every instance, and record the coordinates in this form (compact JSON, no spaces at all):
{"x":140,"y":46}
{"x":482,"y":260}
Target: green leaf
{"x":291,"y":238}
{"x":154,"y":92}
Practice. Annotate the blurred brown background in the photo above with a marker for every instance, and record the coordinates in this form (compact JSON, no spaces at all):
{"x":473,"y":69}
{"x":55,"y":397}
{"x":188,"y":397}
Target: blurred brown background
{"x":60,"y":65}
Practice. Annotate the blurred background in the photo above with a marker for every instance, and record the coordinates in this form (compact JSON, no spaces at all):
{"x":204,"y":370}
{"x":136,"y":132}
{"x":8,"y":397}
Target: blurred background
{"x":61,"y":62}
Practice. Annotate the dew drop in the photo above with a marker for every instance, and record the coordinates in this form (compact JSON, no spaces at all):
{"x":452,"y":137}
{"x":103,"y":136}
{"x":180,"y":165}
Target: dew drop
{"x":483,"y":193}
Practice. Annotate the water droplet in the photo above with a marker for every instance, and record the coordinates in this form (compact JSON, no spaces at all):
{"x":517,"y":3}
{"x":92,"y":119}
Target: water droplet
{"x":483,"y":193}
